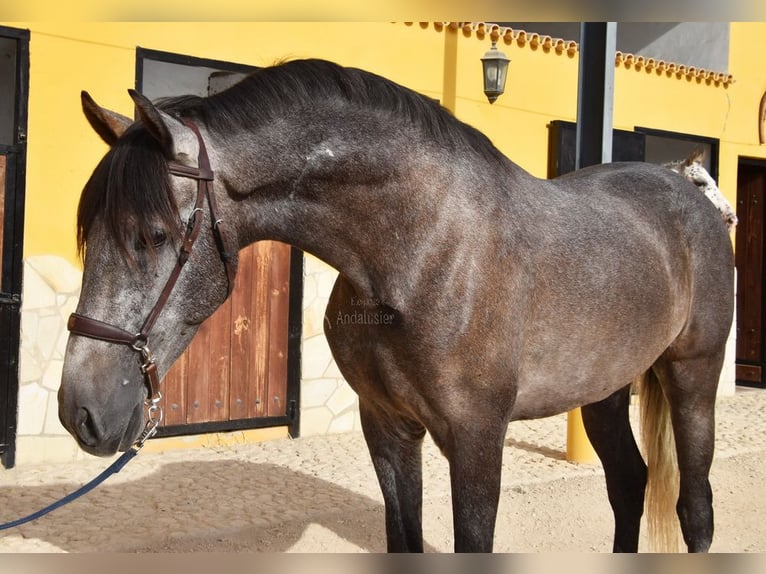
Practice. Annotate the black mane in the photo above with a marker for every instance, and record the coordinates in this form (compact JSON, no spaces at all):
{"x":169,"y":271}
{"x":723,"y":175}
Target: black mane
{"x":274,"y":91}
{"x":271,"y":92}
{"x":131,"y":187}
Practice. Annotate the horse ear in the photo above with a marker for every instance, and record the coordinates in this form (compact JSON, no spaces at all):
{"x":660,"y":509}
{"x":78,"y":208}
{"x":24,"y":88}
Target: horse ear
{"x":175,"y":138}
{"x":109,"y":125}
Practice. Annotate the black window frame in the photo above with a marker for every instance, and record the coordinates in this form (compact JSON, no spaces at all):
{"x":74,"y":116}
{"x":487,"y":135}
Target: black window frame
{"x":561,"y":144}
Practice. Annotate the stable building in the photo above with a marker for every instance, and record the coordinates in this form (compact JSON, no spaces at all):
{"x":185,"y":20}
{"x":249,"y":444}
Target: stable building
{"x":260,"y":367}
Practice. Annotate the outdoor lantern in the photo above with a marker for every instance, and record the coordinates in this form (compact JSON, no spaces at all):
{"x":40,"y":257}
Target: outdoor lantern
{"x":495,"y":65}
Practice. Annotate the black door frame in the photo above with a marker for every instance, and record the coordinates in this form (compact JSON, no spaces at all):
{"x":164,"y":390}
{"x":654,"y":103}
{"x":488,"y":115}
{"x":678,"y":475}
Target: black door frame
{"x":11,"y":267}
{"x":295,"y":305}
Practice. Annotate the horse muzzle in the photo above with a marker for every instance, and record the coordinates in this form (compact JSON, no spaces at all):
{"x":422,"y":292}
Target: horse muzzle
{"x":103,"y":417}
{"x":94,"y":439}
{"x":92,"y":432}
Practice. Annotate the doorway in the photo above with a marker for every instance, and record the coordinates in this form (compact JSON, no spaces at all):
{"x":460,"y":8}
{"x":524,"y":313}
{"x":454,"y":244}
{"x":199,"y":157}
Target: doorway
{"x":14,"y":89}
{"x":749,"y":260}
{"x":242,"y":369}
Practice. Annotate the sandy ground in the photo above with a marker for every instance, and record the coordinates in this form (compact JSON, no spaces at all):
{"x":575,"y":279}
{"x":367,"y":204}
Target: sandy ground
{"x":319,"y":494}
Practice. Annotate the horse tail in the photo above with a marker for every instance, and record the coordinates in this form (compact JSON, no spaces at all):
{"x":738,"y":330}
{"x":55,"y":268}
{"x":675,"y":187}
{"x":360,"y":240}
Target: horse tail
{"x":662,"y":469}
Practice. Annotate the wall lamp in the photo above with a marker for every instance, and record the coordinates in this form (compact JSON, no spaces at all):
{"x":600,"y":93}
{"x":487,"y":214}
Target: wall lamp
{"x":495,"y":67}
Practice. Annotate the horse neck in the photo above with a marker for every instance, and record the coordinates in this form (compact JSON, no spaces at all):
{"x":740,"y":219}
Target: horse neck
{"x":373,"y":200}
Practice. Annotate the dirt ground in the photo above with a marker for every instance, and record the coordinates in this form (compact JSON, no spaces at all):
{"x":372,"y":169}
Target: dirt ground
{"x":564,"y":515}
{"x":320,"y":495}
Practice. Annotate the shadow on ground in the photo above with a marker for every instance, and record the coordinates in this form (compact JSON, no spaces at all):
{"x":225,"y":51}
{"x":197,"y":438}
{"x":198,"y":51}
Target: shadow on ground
{"x":204,"y":506}
{"x":537,"y":448}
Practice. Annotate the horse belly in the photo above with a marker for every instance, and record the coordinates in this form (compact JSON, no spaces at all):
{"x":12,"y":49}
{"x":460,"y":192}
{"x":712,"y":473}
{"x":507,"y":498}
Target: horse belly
{"x":551,"y":391}
{"x":600,"y":349}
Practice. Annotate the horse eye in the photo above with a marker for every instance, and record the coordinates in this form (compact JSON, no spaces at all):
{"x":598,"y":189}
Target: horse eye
{"x":159,"y":238}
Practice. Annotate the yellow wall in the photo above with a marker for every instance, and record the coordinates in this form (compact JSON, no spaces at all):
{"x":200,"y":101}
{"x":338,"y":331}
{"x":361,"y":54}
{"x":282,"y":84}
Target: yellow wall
{"x":100,"y":57}
{"x":740,"y":134}
{"x":542,"y":86}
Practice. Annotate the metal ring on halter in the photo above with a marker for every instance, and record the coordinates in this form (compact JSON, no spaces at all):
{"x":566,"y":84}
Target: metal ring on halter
{"x":150,"y":429}
{"x":194,"y":211}
{"x":216,"y":222}
{"x":155,"y":409}
{"x":141,"y":346}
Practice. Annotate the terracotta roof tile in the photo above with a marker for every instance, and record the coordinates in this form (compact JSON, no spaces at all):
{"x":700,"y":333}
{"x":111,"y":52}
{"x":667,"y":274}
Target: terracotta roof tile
{"x":671,"y":69}
{"x":535,"y":41}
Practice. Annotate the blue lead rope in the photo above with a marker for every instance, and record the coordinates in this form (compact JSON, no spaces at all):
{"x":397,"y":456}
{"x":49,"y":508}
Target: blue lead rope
{"x":154,"y":413}
{"x":114,"y":468}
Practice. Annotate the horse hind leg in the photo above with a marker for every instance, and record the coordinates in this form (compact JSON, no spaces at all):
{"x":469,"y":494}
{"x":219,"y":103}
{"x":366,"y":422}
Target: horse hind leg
{"x":395,"y":445}
{"x":690,"y":386}
{"x":607,"y":425}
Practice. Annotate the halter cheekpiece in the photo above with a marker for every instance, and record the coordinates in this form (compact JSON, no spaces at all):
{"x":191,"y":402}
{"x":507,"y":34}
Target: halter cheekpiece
{"x":138,"y":342}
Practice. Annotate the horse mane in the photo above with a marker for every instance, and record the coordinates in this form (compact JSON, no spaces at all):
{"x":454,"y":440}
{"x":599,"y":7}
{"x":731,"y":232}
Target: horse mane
{"x":131,"y":185}
{"x":274,"y":91}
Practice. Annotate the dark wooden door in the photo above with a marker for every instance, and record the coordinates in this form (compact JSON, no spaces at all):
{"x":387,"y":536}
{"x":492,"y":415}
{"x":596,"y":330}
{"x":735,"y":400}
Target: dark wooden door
{"x":234,"y":373}
{"x":8,"y":311}
{"x":751,"y":188}
{"x":3,"y":164}
{"x":14,"y":90}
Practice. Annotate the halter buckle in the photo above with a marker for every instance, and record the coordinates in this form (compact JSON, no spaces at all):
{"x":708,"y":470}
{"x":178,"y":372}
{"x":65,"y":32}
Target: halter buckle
{"x":140,"y":345}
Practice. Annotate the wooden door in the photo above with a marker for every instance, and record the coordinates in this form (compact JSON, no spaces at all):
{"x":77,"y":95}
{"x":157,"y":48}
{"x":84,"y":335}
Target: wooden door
{"x":3,"y":163}
{"x":14,"y":90}
{"x":751,"y":187}
{"x":234,"y":373}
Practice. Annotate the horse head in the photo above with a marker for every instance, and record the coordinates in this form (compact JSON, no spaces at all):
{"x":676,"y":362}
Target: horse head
{"x":143,"y":286}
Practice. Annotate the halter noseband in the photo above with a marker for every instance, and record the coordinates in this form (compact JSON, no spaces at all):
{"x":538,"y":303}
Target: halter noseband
{"x":95,"y":329}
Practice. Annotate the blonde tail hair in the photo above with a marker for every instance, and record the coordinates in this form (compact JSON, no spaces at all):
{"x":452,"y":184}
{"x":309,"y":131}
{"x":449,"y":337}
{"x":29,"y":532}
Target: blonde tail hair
{"x":659,"y":449}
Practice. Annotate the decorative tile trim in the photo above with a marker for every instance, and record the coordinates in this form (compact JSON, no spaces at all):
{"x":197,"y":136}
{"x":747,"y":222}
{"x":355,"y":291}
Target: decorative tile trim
{"x":559,"y":46}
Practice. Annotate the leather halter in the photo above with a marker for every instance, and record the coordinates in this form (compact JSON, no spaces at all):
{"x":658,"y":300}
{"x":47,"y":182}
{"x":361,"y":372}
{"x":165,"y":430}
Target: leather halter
{"x":95,"y":329}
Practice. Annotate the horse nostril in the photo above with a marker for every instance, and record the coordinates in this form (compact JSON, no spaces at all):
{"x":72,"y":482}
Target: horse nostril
{"x":86,"y":427}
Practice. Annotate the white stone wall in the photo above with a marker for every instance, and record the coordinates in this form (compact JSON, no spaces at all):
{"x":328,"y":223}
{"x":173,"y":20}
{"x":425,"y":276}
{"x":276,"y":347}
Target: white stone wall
{"x":328,"y":405}
{"x":51,"y":290}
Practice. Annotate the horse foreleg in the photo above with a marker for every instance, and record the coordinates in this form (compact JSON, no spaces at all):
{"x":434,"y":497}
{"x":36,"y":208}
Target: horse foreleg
{"x":475,"y":456}
{"x":607,"y":425}
{"x":395,"y":445}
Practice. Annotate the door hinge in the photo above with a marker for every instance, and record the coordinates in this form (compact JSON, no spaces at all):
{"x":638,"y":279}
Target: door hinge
{"x":10,"y":299}
{"x":292,"y":410}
